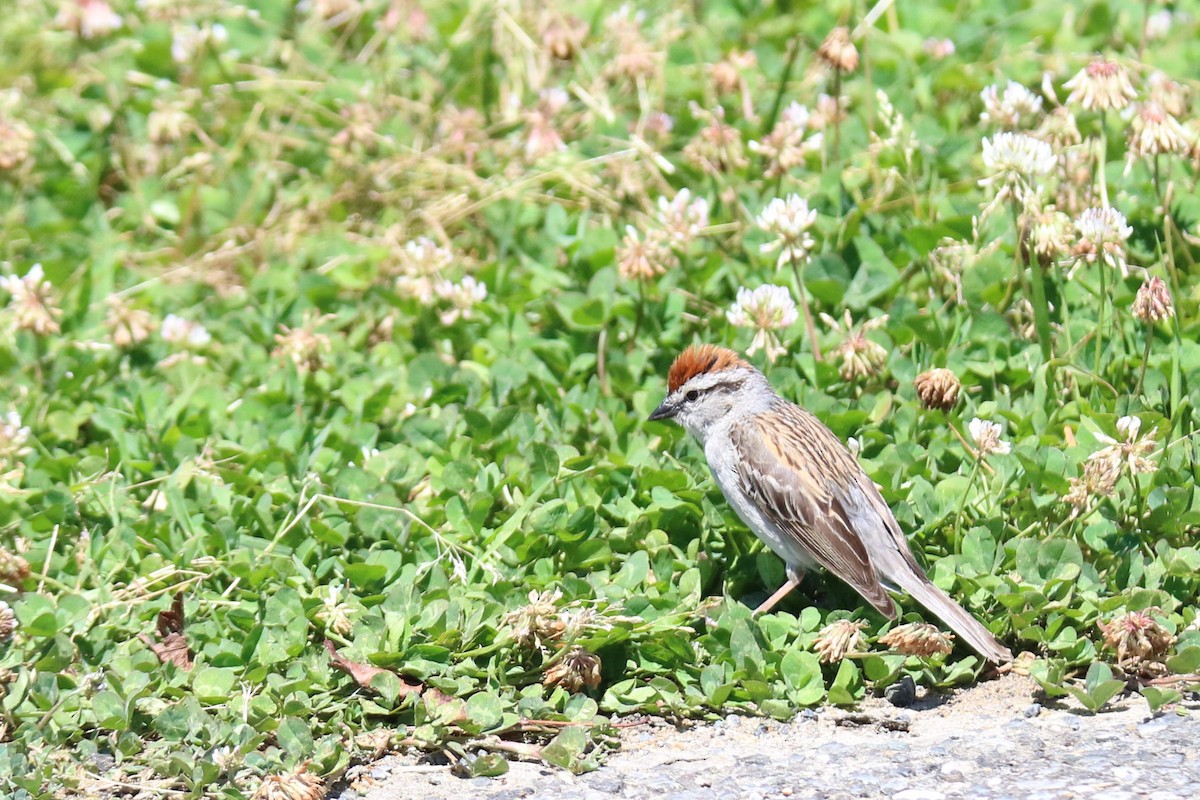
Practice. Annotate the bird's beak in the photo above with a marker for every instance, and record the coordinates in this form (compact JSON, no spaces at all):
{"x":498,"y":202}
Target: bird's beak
{"x":666,"y":410}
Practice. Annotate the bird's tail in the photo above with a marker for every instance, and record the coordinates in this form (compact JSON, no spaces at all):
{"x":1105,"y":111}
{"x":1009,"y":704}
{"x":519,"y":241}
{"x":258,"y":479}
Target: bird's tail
{"x":958,"y":618}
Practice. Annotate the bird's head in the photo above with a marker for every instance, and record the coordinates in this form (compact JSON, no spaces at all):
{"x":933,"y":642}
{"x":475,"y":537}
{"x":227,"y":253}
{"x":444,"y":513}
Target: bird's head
{"x":706,"y":384}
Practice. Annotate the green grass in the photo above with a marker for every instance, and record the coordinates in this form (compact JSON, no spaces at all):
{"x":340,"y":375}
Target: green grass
{"x":470,"y":508}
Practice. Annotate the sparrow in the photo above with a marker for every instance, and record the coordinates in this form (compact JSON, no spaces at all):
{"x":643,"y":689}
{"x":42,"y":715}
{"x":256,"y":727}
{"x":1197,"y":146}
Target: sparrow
{"x":796,"y":486}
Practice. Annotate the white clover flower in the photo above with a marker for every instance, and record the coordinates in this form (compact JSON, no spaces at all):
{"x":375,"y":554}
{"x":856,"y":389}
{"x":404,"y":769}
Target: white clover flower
{"x":13,"y":436}
{"x":766,"y":309}
{"x":795,"y":115}
{"x":190,"y":39}
{"x":938,"y":49}
{"x":683,"y":218}
{"x":89,"y":19}
{"x":8,"y":620}
{"x":1014,"y":161}
{"x":828,"y":111}
{"x":1153,"y":301}
{"x":861,"y":357}
{"x":1158,"y":25}
{"x":463,"y":297}
{"x":543,"y":137}
{"x":31,"y":303}
{"x":1153,"y":131}
{"x":1129,"y":451}
{"x":1171,"y":95}
{"x":838,"y":51}
{"x":1102,"y":85}
{"x":789,"y":220}
{"x":177,"y":330}
{"x":422,"y":261}
{"x":1050,"y":231}
{"x":646,"y":258}
{"x":987,"y":439}
{"x":1102,"y":233}
{"x":1010,"y":108}
{"x":788,"y":143}
{"x":717,"y":148}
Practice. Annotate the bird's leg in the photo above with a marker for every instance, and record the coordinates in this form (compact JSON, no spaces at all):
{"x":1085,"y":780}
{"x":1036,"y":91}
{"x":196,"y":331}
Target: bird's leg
{"x":795,"y":575}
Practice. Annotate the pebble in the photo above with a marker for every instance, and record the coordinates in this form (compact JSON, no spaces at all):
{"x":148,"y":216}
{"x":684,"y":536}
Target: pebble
{"x":103,"y":762}
{"x":1033,"y":710}
{"x":956,"y":770}
{"x":902,"y":693}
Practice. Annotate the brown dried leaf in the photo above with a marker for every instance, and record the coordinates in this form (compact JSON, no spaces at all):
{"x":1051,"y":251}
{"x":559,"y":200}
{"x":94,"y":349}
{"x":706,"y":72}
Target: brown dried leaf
{"x":171,"y":620}
{"x":174,"y":648}
{"x":363,"y":674}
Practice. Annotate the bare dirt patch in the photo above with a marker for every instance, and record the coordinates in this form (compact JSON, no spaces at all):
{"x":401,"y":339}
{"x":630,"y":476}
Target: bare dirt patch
{"x":990,"y":741}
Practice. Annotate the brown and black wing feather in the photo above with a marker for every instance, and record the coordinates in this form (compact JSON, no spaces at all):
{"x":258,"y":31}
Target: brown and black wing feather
{"x":782,"y":470}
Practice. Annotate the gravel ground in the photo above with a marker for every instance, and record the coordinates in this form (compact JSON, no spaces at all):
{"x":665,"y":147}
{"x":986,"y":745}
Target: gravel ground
{"x":986,"y":743}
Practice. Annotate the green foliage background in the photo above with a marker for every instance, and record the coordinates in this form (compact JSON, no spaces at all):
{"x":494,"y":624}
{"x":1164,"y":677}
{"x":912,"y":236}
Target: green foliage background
{"x":433,"y":475}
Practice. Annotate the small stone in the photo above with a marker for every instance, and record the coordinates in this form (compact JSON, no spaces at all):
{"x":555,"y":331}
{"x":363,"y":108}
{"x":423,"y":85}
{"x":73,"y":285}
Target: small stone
{"x":1068,"y":721}
{"x":808,"y":715}
{"x":1033,"y":711}
{"x":379,"y":773}
{"x":902,"y":693}
{"x":103,"y":762}
{"x":956,"y":770}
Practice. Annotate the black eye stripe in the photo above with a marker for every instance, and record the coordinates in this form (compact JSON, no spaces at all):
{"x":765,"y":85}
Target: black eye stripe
{"x":694,"y":394}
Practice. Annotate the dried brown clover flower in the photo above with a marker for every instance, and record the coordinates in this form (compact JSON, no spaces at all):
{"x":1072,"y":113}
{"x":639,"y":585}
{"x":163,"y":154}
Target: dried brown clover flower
{"x":918,"y":639}
{"x":838,"y":639}
{"x":938,"y":388}
{"x":577,"y":669}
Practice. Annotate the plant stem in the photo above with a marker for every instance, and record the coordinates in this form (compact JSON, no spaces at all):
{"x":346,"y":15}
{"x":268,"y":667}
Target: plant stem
{"x":1041,"y":308}
{"x":641,"y":312}
{"x":1145,"y":358}
{"x":962,"y":503}
{"x":837,"y":115}
{"x":1100,"y":323}
{"x":798,"y":271}
{"x":1145,"y":28}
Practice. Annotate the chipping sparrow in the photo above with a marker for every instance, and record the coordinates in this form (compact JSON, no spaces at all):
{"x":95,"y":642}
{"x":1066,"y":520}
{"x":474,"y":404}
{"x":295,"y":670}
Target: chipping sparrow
{"x":796,"y":486}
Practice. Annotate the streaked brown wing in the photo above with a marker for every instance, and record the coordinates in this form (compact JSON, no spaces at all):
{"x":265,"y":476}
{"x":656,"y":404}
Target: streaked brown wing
{"x":787,"y":470}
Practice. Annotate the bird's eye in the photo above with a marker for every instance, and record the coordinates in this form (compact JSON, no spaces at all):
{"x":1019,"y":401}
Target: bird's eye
{"x":692,"y":395}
